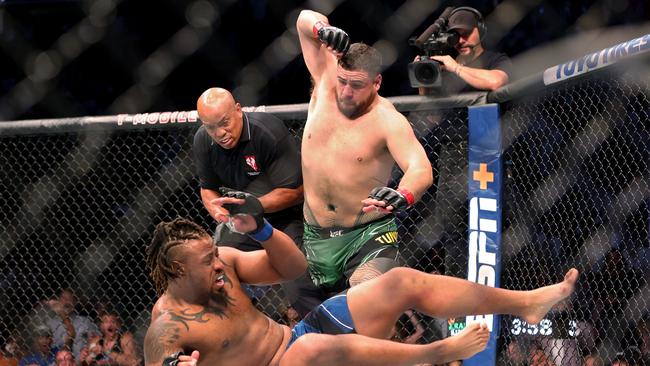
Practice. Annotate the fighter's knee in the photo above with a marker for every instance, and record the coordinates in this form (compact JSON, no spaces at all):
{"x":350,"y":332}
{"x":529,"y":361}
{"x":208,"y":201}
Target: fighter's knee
{"x":308,"y":347}
{"x":398,"y":275}
{"x":403,"y":282}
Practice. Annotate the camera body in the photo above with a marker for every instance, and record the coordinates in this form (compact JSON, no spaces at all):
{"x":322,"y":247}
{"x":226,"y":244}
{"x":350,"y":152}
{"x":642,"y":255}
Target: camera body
{"x":434,"y":41}
{"x":425,"y":73}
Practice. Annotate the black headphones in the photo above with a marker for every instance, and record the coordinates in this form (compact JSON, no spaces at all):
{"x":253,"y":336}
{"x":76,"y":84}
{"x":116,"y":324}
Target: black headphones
{"x":480,"y":23}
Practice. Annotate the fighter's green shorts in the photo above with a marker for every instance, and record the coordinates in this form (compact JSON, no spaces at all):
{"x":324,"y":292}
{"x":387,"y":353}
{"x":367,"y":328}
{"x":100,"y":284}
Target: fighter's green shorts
{"x":335,"y":252}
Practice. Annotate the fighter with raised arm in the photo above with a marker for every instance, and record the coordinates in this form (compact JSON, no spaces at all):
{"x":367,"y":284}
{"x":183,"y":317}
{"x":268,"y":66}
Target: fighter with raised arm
{"x":352,"y":139}
{"x":203,"y":315}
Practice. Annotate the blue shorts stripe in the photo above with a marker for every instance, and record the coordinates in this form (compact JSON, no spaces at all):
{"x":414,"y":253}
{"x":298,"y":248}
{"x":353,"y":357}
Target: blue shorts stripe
{"x":331,"y":317}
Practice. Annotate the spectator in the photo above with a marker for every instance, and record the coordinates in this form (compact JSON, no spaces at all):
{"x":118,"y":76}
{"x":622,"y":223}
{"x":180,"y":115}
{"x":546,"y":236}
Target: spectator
{"x":631,"y":356}
{"x":593,"y":360}
{"x":291,"y":317}
{"x":612,"y":285}
{"x":588,"y":337}
{"x":408,"y":329}
{"x":64,"y":358}
{"x":41,"y":350}
{"x":475,"y":68}
{"x":9,"y":354}
{"x":516,"y":352}
{"x":113,"y":347}
{"x":643,"y":332}
{"x":562,"y":344}
{"x":539,"y":358}
{"x":69,"y":329}
{"x":639,"y":336}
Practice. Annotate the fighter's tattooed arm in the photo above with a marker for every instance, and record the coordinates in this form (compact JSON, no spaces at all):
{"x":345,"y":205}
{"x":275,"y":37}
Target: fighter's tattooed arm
{"x":162,"y":340}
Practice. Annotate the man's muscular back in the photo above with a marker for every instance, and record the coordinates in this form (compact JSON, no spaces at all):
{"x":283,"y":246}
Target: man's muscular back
{"x":228,"y":332}
{"x":343,"y":159}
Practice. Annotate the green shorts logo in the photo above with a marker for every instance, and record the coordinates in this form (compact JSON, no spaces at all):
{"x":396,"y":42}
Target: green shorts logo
{"x":387,"y":238}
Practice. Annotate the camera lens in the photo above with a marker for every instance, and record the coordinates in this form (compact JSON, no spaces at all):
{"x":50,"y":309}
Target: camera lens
{"x":426,"y":73}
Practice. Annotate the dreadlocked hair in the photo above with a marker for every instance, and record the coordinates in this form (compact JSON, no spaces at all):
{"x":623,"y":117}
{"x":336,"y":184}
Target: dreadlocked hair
{"x":166,"y":236}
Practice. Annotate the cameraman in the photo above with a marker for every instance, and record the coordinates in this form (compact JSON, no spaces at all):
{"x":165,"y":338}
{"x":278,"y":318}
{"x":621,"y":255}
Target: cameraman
{"x":474,"y":68}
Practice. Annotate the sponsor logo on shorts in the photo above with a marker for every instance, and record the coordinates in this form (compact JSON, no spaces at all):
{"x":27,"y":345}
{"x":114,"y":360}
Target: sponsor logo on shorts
{"x":335,"y":233}
{"x":387,"y":238}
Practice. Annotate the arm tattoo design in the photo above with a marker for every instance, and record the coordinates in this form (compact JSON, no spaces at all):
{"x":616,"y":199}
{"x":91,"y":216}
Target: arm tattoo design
{"x":161,"y":341}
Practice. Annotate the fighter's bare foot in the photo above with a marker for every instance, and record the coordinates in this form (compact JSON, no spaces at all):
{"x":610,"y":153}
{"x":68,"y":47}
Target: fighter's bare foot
{"x":467,"y":343}
{"x":543,"y":299}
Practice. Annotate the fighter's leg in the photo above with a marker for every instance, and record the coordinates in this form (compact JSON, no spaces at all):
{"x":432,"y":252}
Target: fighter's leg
{"x":375,"y":305}
{"x":376,"y":256}
{"x":371,"y":269}
{"x":300,"y":293}
{"x":354,"y":349}
{"x":303,"y":295}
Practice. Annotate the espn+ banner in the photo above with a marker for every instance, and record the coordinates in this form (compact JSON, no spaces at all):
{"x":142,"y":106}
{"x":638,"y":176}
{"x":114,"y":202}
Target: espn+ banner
{"x":484,"y":194}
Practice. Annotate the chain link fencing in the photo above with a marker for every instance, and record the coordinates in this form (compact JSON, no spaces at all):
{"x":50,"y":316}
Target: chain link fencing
{"x":576,"y":194}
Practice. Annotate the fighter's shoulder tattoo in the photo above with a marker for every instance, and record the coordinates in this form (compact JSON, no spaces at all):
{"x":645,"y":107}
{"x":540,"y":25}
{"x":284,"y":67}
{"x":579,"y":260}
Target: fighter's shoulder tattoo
{"x":187,"y":316}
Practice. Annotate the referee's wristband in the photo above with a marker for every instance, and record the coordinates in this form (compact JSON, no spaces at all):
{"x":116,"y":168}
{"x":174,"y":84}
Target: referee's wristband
{"x":264,"y":233}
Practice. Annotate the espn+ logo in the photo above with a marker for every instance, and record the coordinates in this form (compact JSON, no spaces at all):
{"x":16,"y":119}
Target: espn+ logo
{"x":481,"y":267}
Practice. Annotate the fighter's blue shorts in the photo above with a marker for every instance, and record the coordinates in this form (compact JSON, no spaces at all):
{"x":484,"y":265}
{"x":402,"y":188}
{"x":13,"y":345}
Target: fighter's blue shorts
{"x":330,"y":317}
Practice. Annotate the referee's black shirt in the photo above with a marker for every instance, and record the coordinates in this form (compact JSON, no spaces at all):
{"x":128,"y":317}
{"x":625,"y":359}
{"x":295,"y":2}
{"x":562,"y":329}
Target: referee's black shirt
{"x":266,"y":157}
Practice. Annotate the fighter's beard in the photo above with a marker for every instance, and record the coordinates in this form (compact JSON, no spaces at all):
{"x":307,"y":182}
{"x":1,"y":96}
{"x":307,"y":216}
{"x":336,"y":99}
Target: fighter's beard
{"x":221,"y":297}
{"x":356,"y":111}
{"x":221,"y":300}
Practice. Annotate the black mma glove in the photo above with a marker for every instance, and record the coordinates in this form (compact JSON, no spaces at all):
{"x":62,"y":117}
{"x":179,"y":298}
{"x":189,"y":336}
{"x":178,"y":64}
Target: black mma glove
{"x":399,"y":199}
{"x":252,"y":206}
{"x":172,"y":360}
{"x":332,"y":37}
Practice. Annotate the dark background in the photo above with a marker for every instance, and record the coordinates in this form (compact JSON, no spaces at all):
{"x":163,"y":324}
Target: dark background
{"x":108,"y":75}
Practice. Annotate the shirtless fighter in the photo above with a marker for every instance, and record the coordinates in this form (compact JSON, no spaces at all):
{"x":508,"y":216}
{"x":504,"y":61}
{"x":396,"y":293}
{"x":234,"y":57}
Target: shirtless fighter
{"x":352,"y":139}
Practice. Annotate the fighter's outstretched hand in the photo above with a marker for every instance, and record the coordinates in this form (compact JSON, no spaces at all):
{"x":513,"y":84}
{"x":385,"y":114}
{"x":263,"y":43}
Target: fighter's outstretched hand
{"x":386,"y":199}
{"x":242,"y":211}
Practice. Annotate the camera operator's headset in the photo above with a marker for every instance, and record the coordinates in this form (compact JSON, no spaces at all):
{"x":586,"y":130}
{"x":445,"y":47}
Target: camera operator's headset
{"x":480,"y":23}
